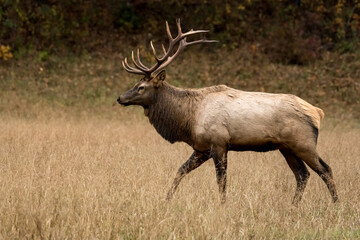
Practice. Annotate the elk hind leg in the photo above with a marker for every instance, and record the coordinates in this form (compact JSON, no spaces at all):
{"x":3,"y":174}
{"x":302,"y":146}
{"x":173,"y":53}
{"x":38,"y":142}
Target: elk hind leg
{"x":195,"y":160}
{"x":323,"y":170}
{"x":326,"y":175}
{"x":300,"y":171}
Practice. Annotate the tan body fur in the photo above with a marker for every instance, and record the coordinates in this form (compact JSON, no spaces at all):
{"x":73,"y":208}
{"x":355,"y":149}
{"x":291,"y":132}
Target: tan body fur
{"x":246,"y":120}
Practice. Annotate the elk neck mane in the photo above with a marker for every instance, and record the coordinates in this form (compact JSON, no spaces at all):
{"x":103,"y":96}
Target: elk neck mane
{"x":173,"y":111}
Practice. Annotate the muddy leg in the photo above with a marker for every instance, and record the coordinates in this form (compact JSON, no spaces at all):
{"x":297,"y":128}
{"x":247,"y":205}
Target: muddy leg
{"x":195,"y":160}
{"x":300,"y":171}
{"x":326,"y":175}
{"x":323,"y":170}
{"x":220,"y":161}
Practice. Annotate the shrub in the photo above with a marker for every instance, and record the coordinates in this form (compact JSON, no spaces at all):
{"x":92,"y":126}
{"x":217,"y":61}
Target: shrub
{"x":5,"y":52}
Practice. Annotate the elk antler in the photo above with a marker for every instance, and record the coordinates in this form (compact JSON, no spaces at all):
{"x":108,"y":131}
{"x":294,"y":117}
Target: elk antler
{"x":166,"y":59}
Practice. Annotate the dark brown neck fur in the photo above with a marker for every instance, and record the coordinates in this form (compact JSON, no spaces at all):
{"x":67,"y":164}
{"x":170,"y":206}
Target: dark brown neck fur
{"x":173,"y":111}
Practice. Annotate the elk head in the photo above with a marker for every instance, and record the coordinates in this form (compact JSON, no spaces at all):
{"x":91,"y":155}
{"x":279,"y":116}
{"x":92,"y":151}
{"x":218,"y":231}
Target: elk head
{"x":144,"y":91}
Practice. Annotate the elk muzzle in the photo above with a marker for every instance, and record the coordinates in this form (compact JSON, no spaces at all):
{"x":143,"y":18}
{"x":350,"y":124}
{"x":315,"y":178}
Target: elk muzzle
{"x":122,"y":101}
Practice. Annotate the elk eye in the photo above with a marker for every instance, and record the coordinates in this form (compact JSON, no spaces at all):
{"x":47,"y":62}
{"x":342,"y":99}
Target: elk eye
{"x":141,"y":88}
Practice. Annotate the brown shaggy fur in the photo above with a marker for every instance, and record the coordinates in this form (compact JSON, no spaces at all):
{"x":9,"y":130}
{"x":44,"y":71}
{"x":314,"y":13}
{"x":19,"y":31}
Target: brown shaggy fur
{"x":172,"y":115}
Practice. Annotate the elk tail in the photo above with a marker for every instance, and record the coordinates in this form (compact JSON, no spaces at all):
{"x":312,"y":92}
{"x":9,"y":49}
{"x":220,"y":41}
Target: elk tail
{"x":316,"y":114}
{"x":321,"y":113}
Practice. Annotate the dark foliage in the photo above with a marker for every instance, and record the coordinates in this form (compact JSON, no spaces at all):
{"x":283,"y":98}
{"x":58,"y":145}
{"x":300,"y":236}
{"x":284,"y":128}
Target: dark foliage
{"x":289,"y":31}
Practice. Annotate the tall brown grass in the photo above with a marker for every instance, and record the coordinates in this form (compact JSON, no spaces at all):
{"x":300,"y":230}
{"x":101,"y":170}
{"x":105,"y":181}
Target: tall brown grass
{"x":106,"y":178}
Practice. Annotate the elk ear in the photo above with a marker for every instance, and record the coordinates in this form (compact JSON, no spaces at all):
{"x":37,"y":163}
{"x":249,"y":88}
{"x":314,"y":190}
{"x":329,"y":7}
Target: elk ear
{"x":159,"y":78}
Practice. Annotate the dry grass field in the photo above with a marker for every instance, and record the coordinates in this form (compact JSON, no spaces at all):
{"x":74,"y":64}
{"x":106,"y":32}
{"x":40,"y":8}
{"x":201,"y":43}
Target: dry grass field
{"x":91,"y":177}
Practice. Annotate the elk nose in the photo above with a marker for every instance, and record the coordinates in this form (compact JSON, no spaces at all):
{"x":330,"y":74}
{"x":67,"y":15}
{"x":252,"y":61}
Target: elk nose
{"x":118,"y":100}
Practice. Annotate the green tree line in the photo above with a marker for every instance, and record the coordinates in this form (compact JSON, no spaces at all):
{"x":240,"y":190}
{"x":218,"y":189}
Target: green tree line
{"x":289,"y":31}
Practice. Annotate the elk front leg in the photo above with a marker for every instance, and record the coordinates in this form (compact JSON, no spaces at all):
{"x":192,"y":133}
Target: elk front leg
{"x":195,"y":160}
{"x":220,"y":161}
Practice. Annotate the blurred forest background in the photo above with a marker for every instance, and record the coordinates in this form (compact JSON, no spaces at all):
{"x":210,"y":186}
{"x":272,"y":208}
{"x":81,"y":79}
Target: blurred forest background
{"x":70,"y":51}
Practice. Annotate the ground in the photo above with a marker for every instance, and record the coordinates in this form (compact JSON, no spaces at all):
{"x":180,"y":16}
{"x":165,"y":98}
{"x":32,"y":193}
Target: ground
{"x":91,"y":176}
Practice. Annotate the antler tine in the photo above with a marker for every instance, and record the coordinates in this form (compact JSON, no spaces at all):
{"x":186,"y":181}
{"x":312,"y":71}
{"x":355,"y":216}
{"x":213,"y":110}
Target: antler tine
{"x":154,"y":52}
{"x":163,"y":48}
{"x":130,"y":69}
{"x":140,"y":67}
{"x":178,"y":26}
{"x":138,"y":58}
{"x":192,"y":32}
{"x":168,"y":32}
{"x":200,"y":41}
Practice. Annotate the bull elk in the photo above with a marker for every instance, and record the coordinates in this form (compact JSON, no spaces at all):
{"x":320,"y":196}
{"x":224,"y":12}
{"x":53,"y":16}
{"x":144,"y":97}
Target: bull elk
{"x":218,"y":119}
